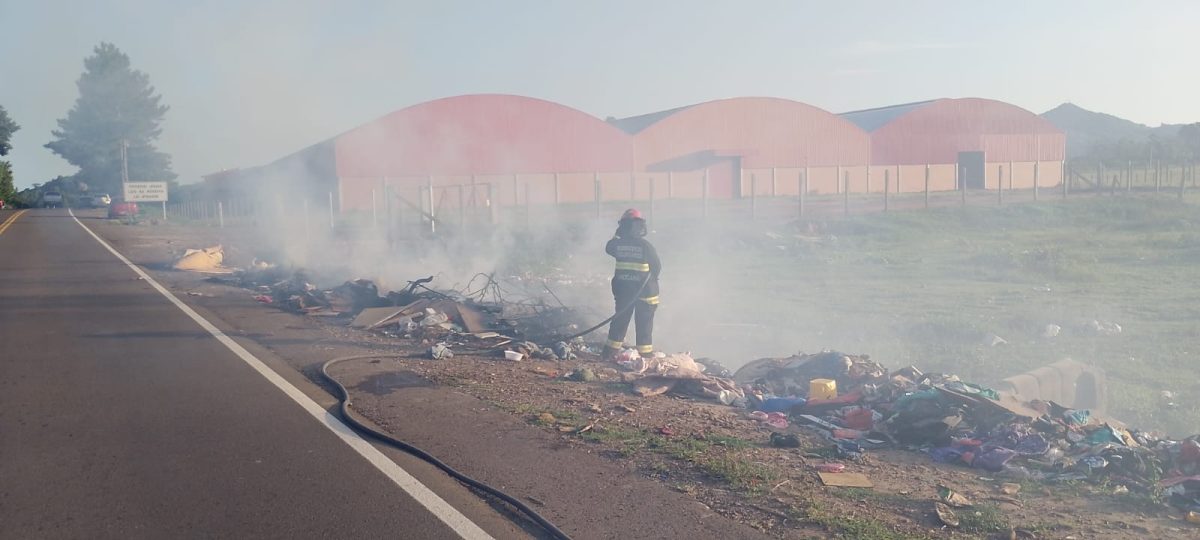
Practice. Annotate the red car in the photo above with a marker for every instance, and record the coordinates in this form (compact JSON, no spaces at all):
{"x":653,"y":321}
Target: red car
{"x":122,"y":209}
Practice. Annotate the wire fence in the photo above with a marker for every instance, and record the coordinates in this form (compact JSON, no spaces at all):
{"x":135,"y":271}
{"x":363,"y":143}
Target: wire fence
{"x":402,"y":208}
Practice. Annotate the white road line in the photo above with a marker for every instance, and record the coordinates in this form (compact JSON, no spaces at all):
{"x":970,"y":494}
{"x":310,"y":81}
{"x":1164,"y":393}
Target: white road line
{"x":437,"y":506}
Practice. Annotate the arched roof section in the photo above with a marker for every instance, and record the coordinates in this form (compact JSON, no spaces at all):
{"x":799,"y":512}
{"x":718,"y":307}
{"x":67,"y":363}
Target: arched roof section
{"x":482,"y":134}
{"x":936,"y":131}
{"x":765,"y":132}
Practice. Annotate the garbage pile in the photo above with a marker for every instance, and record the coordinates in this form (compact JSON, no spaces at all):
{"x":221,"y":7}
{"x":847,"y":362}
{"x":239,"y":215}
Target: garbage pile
{"x":419,"y":311}
{"x":858,"y":405}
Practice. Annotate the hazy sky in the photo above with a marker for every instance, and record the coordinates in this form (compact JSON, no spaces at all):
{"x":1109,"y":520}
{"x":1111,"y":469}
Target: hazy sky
{"x":248,"y":82}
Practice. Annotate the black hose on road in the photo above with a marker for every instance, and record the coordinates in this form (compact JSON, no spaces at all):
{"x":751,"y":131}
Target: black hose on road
{"x":344,"y":407}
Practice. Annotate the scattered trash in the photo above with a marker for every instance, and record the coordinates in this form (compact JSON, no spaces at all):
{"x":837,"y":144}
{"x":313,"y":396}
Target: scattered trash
{"x":666,"y":430}
{"x":583,"y":375}
{"x":830,"y":467}
{"x":513,"y":356}
{"x":1051,"y":330}
{"x":440,"y":351}
{"x":845,"y":479}
{"x":546,"y":419}
{"x":992,"y":340}
{"x":822,"y":389}
{"x":1193,"y":517}
{"x":945,"y":514}
{"x":679,"y":373}
{"x":953,"y":498}
{"x":784,"y":440}
{"x":372,"y":317}
{"x":1010,"y":489}
{"x":207,"y":260}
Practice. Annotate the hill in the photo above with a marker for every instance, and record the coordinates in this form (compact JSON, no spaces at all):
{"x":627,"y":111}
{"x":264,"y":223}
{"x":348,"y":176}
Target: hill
{"x":1085,"y":129}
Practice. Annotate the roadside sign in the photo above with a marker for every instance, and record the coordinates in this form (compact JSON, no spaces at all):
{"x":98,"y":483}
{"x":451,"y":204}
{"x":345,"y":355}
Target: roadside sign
{"x":146,"y":191}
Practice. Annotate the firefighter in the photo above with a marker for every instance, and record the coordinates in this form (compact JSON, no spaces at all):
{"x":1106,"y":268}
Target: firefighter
{"x":635,"y":282}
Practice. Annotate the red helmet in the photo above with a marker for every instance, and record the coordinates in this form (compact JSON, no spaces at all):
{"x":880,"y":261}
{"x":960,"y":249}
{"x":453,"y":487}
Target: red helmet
{"x":632,"y":213}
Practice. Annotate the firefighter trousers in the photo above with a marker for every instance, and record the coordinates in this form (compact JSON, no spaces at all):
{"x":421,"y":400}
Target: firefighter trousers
{"x":643,"y":313}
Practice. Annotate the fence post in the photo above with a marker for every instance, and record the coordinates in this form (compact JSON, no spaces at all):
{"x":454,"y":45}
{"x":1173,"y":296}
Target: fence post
{"x":387,"y":214}
{"x":704,"y":194}
{"x":491,"y":202}
{"x":596,"y":190}
{"x":374,"y":210}
{"x":837,"y":179}
{"x":803,"y":190}
{"x":868,"y":180}
{"x":899,"y":187}
{"x":1066,"y":178}
{"x":962,"y":183}
{"x":516,"y":192}
{"x":887,"y":186}
{"x":557,"y":194}
{"x":1182,"y":181}
{"x":926,"y":186}
{"x":753,"y":196}
{"x":1036,"y":178}
{"x":433,"y":214}
{"x":846,"y":194}
{"x":527,"y":205}
{"x":1157,"y":178}
{"x":1000,"y":185}
{"x":670,"y":184}
{"x":1129,"y":179}
{"x":774,"y":183}
{"x":221,"y":211}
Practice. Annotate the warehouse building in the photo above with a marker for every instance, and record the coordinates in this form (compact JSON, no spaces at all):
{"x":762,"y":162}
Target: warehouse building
{"x":487,"y":151}
{"x":743,"y":145}
{"x":980,"y":140}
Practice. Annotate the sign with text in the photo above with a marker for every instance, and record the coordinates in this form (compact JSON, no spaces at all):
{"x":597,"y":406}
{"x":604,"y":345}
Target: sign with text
{"x":146,"y":191}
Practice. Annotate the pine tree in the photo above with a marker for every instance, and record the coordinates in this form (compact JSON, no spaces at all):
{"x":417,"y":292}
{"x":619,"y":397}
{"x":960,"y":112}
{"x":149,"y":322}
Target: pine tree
{"x":117,"y":107}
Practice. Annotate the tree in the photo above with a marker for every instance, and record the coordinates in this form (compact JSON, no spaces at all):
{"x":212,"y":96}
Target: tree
{"x":7,"y":128}
{"x":7,"y":189}
{"x":117,"y":109}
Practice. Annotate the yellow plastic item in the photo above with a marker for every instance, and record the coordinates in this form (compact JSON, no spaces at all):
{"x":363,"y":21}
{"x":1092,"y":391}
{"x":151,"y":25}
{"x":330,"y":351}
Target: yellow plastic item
{"x":822,"y":389}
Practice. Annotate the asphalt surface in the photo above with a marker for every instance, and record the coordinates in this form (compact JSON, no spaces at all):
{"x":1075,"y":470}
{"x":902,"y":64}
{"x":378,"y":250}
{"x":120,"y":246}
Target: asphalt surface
{"x":121,"y":417}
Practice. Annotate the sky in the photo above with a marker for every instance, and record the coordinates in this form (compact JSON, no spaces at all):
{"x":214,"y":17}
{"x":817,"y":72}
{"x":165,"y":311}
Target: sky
{"x":249,"y":82}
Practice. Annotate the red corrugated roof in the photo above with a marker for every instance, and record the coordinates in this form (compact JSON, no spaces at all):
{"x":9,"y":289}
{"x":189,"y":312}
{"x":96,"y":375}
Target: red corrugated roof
{"x":482,"y":134}
{"x":768,"y":132}
{"x":936,"y":131}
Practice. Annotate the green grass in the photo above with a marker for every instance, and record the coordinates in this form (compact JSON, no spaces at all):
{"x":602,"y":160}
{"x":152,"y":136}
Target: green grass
{"x":927,"y":288}
{"x":982,"y":518}
{"x":840,"y":525}
{"x":739,"y":472}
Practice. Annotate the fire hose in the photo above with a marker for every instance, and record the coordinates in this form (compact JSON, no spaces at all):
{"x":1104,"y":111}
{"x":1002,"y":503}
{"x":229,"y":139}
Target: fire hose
{"x":620,"y":311}
{"x":343,"y":397}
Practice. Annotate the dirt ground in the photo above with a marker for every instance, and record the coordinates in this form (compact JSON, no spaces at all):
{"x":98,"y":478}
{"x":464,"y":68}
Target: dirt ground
{"x":589,"y":453}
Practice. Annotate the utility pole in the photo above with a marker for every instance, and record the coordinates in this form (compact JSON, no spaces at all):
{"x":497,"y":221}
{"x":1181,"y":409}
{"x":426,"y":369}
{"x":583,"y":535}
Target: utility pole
{"x":124,"y":162}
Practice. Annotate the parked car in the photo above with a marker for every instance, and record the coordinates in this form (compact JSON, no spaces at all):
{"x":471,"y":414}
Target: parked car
{"x":85,"y":201}
{"x":121,"y":209}
{"x":52,"y":199}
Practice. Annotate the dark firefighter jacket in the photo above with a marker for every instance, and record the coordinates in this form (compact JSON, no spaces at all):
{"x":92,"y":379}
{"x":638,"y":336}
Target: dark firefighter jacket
{"x":636,"y":258}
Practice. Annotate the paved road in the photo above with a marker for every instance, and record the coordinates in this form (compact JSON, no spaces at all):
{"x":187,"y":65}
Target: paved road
{"x":121,"y":417}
